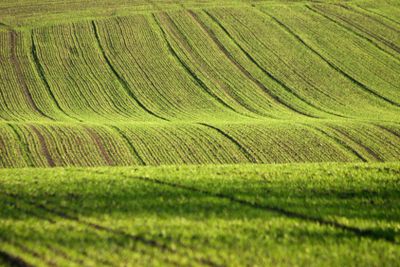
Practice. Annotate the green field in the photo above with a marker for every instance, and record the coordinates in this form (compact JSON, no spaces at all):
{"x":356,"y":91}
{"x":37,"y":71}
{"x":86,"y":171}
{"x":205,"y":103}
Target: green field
{"x":221,"y":133}
{"x":263,"y":215}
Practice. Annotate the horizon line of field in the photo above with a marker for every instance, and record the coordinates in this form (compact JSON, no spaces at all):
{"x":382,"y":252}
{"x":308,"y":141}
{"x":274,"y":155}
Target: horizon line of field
{"x":38,"y":145}
{"x":241,"y":68}
{"x":180,"y":249}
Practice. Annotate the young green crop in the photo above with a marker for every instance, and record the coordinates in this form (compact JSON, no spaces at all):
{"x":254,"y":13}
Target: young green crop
{"x":259,"y":215}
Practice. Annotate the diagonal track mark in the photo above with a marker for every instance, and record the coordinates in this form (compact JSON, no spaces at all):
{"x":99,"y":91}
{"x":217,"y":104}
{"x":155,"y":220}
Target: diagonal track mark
{"x":14,"y":261}
{"x":391,"y":45}
{"x":134,"y":151}
{"x":20,"y":76}
{"x":121,"y":80}
{"x":197,"y":80}
{"x":242,"y":69}
{"x":266,"y":72}
{"x":41,"y":73}
{"x":43,"y":146}
{"x":97,"y":139}
{"x":245,"y":152}
{"x":134,"y":237}
{"x":331,"y":64}
{"x":366,"y":233}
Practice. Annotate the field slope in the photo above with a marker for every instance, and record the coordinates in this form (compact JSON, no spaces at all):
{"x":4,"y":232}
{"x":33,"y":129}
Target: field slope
{"x":99,"y":83}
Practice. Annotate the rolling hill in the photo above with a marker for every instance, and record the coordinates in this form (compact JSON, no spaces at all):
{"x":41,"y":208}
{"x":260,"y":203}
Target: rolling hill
{"x":156,"y":82}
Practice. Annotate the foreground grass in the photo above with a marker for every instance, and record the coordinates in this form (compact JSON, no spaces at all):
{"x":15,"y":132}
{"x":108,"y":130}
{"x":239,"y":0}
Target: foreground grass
{"x":232,"y":215}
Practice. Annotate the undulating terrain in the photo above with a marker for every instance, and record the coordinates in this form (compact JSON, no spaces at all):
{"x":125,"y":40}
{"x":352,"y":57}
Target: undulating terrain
{"x":279,"y":122}
{"x":150,"y":83}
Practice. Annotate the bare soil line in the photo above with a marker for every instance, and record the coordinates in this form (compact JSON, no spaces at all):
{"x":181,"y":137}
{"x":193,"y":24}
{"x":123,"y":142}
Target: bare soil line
{"x":245,"y":152}
{"x":245,"y":72}
{"x":174,"y":30}
{"x":331,"y":64}
{"x":337,"y":141}
{"x":270,"y":75}
{"x":14,"y":260}
{"x":96,"y":138}
{"x":20,"y":75}
{"x":121,"y":80}
{"x":134,"y":151}
{"x":363,"y":30}
{"x":43,"y":146}
{"x":369,"y":150}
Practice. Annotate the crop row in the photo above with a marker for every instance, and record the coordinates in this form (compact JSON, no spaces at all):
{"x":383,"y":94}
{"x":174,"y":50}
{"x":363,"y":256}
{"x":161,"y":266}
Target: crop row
{"x":157,"y":144}
{"x":301,"y":65}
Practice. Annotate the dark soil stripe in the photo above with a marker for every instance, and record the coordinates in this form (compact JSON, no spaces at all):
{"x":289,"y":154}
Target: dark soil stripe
{"x":14,"y":260}
{"x":363,"y":30}
{"x":97,"y":140}
{"x":20,"y":75}
{"x":134,"y":151}
{"x":121,"y":80}
{"x":338,"y":141}
{"x":191,"y":73}
{"x":369,"y":150}
{"x":352,"y":9}
{"x":43,"y":146}
{"x":379,"y":15}
{"x":24,"y":146}
{"x":245,"y":152}
{"x":245,"y":72}
{"x":331,"y":64}
{"x":41,"y":74}
{"x":266,"y":72}
{"x":386,"y":129}
{"x":366,"y":233}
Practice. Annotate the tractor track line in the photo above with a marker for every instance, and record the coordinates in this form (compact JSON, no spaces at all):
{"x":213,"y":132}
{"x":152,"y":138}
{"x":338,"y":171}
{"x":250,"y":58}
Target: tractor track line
{"x":137,"y":238}
{"x":33,"y":253}
{"x":331,"y":64}
{"x":175,"y":31}
{"x":41,"y":73}
{"x":23,"y":146}
{"x":242,"y":69}
{"x":386,"y":129}
{"x":97,"y":140}
{"x":121,"y":80}
{"x":191,"y":73}
{"x":354,"y":10}
{"x":246,"y":153}
{"x":372,"y":153}
{"x":43,"y":146}
{"x":352,"y":31}
{"x":20,"y":76}
{"x":267,"y":73}
{"x":14,"y":261}
{"x":52,"y":221}
{"x":97,"y":227}
{"x":363,"y":30}
{"x":378,"y":14}
{"x":337,"y":141}
{"x":366,"y":233}
{"x":134,"y":151}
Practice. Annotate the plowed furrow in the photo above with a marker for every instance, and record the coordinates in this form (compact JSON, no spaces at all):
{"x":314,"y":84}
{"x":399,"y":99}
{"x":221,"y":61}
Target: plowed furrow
{"x":121,"y":80}
{"x":43,"y":146}
{"x":334,"y":66}
{"x":20,"y":76}
{"x":242,"y":69}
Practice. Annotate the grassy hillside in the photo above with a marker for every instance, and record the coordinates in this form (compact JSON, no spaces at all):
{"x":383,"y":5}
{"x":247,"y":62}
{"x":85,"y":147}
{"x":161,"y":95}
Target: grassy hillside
{"x":264,"y":215}
{"x":216,"y":90}
{"x":92,"y":83}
